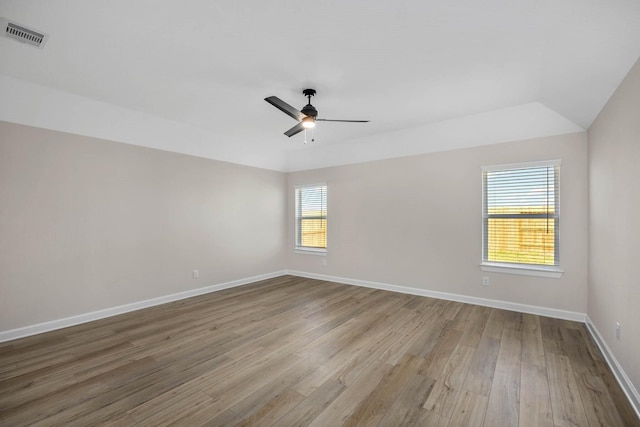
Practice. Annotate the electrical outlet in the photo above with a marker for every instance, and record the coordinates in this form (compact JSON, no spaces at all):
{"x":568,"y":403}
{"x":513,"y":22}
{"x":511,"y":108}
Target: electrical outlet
{"x":324,"y":262}
{"x":485,"y":281}
{"x":196,"y":274}
{"x":618,"y":330}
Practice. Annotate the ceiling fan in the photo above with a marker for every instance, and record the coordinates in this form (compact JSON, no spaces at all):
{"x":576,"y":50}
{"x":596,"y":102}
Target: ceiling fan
{"x":307,"y":117}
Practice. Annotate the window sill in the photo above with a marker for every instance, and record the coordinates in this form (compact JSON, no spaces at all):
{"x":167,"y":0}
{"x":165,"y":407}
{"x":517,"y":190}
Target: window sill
{"x":311,"y":251}
{"x":523,"y":270}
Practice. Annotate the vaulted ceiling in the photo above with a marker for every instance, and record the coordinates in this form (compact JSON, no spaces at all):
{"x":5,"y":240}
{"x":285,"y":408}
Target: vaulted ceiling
{"x":190,"y":76}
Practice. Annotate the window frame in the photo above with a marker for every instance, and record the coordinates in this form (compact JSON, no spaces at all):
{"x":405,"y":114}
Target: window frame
{"x":541,"y":270}
{"x":298,"y":247}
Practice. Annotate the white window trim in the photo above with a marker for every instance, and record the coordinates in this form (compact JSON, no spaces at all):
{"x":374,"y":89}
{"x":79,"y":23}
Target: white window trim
{"x":304,"y":249}
{"x":523,"y":165}
{"x":552,"y":272}
{"x":310,"y":251}
{"x":555,"y":271}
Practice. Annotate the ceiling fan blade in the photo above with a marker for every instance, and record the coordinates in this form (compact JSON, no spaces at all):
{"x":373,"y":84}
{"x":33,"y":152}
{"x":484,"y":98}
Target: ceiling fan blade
{"x":294,"y":130}
{"x":346,"y":121}
{"x":284,"y":107}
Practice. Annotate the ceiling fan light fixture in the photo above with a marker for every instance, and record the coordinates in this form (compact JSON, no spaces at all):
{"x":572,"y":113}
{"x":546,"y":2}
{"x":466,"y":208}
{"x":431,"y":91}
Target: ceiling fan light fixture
{"x":308,"y":122}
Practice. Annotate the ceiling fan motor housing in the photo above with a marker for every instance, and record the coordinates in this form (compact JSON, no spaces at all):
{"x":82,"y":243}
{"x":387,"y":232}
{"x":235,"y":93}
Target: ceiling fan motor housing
{"x":309,"y":110}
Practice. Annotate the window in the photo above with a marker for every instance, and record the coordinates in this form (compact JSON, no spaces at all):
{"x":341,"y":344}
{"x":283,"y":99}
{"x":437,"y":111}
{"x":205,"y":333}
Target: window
{"x":521,"y":215}
{"x":311,"y":218}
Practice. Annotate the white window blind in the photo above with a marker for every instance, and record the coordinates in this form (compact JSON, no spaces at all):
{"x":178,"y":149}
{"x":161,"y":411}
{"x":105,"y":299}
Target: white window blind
{"x":311,"y":217}
{"x":521,"y":214}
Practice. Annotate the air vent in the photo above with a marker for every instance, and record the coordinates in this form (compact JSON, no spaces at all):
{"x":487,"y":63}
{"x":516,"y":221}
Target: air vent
{"x":23,"y":34}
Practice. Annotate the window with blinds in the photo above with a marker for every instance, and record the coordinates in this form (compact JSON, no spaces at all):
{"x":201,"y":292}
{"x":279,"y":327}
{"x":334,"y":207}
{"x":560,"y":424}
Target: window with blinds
{"x":311,"y":217}
{"x":521,"y":213}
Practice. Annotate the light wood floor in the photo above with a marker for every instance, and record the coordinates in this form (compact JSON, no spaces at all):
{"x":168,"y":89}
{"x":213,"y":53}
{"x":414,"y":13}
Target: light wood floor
{"x":292,"y":351}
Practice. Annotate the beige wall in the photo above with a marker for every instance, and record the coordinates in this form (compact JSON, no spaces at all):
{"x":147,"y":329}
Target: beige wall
{"x":87,"y":224}
{"x":416,"y":221}
{"x":614,"y":223}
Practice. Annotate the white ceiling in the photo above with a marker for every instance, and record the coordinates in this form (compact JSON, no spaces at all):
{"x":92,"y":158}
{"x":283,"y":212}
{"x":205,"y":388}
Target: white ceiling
{"x":190,"y":76}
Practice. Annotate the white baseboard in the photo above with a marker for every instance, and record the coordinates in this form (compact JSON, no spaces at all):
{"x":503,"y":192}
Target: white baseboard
{"x":505,"y":305}
{"x":618,"y":372}
{"x":113,"y":311}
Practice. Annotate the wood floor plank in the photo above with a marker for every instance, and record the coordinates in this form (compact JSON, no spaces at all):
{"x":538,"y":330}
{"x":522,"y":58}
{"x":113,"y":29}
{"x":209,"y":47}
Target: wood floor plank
{"x":226,"y":418}
{"x":462,"y":319}
{"x":308,"y":410}
{"x":476,"y":326}
{"x":504,"y":401}
{"x":386,"y":345}
{"x":495,"y":324}
{"x":532,"y":346}
{"x":52,"y":403}
{"x":437,"y":359}
{"x":596,"y":398}
{"x":566,"y":402}
{"x":227,"y":392}
{"x":342,"y":407}
{"x":407,"y":409}
{"x":265,"y":398}
{"x":140,"y":389}
{"x":406,"y":336}
{"x":483,"y":366}
{"x":250,"y":401}
{"x":313,"y":381}
{"x":432,"y":419}
{"x":552,"y":340}
{"x":426,"y":341}
{"x":274,"y":409}
{"x":448,"y":387}
{"x":623,"y":406}
{"x":295,"y":351}
{"x":535,"y":400}
{"x":371,"y":410}
{"x":171,"y":406}
{"x":470,"y":410}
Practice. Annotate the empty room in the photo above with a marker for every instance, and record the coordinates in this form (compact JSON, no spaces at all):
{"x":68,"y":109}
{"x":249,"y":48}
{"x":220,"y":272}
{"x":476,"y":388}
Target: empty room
{"x":320,"y":213}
